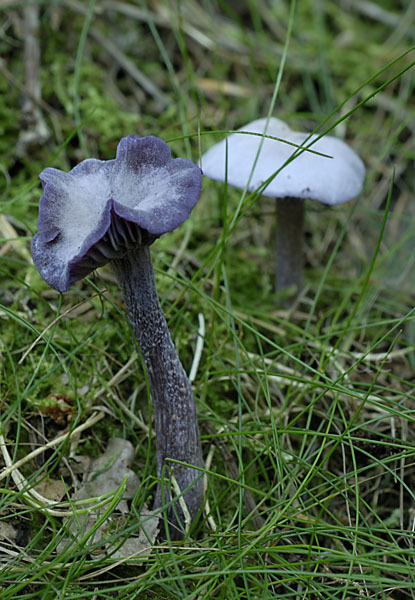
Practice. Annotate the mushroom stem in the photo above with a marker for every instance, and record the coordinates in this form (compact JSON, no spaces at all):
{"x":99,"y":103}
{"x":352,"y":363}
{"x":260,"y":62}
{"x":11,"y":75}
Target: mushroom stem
{"x":177,"y":431}
{"x":290,"y":226}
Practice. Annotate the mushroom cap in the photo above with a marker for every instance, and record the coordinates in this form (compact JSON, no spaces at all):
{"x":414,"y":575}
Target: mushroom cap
{"x":100,"y":208}
{"x":330,"y":180}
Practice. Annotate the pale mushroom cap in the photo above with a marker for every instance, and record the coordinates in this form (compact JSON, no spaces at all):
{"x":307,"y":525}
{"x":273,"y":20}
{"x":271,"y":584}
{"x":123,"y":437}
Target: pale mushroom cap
{"x":329,"y":180}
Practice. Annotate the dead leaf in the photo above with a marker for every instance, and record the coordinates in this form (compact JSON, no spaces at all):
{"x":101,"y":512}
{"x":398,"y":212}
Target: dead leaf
{"x":51,"y":489}
{"x":140,"y":546}
{"x":7,"y":231}
{"x":7,"y":531}
{"x":105,"y":475}
{"x":58,"y":408}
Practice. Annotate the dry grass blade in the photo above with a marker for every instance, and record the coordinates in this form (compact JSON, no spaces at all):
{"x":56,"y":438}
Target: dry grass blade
{"x":34,"y":130}
{"x":124,"y":62}
{"x":90,"y":422}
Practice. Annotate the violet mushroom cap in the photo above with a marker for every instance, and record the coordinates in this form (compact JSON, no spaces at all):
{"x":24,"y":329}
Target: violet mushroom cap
{"x":84,"y":214}
{"x":331,"y":181}
{"x":111,"y":211}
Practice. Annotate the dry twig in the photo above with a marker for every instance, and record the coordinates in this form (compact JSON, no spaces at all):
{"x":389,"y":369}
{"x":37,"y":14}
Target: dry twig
{"x":34,"y":130}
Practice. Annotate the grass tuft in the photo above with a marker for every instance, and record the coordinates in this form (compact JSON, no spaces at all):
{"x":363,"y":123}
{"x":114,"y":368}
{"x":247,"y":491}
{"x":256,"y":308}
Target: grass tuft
{"x":307,"y":415}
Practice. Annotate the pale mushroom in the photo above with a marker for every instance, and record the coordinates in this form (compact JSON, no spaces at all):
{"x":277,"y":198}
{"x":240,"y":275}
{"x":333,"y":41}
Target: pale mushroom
{"x":290,"y":175}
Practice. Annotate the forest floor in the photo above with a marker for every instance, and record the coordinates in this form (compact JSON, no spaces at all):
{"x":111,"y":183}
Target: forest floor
{"x":307,"y":413}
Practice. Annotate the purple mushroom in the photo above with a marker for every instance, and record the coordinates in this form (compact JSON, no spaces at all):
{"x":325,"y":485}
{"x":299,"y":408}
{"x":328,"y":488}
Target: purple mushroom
{"x":250,"y":161}
{"x":112,"y":211}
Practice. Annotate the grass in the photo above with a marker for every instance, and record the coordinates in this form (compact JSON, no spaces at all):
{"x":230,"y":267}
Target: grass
{"x":307,"y":416}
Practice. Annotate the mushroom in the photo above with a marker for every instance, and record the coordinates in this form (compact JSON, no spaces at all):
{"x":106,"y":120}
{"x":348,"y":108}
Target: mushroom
{"x":253,"y":161}
{"x":112,"y":211}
